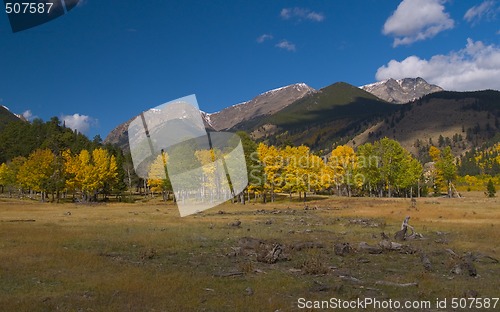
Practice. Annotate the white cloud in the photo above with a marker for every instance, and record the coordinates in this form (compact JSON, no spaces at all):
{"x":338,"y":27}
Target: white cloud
{"x":314,"y":16}
{"x":475,"y":67}
{"x":301,"y":13}
{"x":487,"y":9}
{"x":28,"y":115}
{"x":284,"y":44}
{"x":416,"y":20}
{"x":82,"y":123}
{"x":264,"y":37}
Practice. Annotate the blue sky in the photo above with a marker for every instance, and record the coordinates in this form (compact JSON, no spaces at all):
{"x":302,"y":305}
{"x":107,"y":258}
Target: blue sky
{"x":106,"y":61}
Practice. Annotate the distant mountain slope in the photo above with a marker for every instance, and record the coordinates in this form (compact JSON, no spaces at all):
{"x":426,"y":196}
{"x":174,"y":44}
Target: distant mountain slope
{"x":464,"y":119}
{"x":266,"y":103}
{"x":6,"y":116}
{"x":320,"y":118}
{"x":119,"y":135}
{"x":402,"y":90}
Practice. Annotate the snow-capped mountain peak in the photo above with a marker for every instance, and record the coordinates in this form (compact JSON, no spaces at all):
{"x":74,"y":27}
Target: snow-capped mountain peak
{"x":401,"y":90}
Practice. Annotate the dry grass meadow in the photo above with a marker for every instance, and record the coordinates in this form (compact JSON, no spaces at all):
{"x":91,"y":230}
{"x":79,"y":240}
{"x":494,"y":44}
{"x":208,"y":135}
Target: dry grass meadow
{"x":144,"y":257}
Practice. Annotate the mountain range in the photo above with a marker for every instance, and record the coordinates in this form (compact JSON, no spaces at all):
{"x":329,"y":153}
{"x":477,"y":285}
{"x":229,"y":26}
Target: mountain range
{"x":299,"y":114}
{"x":409,"y":110}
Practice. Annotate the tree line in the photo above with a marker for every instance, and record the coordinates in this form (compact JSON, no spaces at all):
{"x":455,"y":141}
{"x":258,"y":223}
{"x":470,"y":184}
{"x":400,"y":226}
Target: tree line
{"x":87,"y":174}
{"x":383,"y":168}
{"x":41,"y":157}
{"x":51,"y":159}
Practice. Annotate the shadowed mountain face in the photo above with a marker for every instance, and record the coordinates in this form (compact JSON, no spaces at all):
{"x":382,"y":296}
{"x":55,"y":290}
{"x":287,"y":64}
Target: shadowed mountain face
{"x":402,"y":90}
{"x":462,"y":120}
{"x":320,"y":118}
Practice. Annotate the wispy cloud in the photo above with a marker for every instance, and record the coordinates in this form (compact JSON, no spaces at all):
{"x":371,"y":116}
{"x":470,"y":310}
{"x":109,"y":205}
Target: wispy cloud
{"x":416,"y":20}
{"x":475,"y":67}
{"x":264,"y":37}
{"x":81,"y":123}
{"x":28,"y":115}
{"x":488,"y":9}
{"x":286,"y":45}
{"x":301,"y":14}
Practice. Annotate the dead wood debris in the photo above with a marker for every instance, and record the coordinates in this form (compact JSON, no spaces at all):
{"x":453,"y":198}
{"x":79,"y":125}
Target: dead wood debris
{"x":387,"y":283}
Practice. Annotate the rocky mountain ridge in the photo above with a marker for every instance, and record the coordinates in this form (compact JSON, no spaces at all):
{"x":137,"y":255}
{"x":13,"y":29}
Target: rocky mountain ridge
{"x":402,"y":90}
{"x":264,"y":104}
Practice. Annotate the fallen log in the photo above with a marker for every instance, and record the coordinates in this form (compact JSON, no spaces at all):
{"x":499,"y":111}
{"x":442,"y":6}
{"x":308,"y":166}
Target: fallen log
{"x":226,"y":274}
{"x":385,"y":244}
{"x":386,"y":283}
{"x":370,"y":249}
{"x":342,"y":249}
{"x":20,"y":220}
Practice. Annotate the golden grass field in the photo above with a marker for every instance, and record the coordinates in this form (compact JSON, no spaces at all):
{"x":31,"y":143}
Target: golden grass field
{"x":144,"y":257}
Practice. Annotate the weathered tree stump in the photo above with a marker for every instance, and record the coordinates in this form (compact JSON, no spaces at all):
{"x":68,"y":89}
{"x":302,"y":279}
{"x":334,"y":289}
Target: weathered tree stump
{"x":403,"y":233}
{"x":426,"y":262}
{"x":342,"y":249}
{"x":272,"y":256}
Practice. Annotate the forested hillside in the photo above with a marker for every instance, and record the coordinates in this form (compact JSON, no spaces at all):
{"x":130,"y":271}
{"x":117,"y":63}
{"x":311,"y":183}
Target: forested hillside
{"x":50,"y":158}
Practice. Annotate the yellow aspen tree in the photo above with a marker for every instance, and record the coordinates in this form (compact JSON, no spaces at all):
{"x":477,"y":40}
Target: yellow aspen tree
{"x":90,"y":172}
{"x":104,"y":170}
{"x":8,"y":173}
{"x":212,"y":171}
{"x":4,"y":175}
{"x":343,"y":162}
{"x":71,"y":169}
{"x":36,"y":171}
{"x":85,"y":175}
{"x":158,"y":179}
{"x":434,"y":153}
{"x":317,"y":171}
{"x":157,"y":173}
{"x":270,"y":158}
{"x":290,"y":170}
